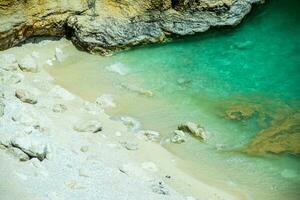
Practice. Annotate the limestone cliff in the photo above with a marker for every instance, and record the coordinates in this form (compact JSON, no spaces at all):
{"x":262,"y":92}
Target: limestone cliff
{"x":103,"y":26}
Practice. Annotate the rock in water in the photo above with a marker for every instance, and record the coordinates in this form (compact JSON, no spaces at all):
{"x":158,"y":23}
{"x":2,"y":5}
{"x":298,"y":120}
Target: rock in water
{"x":151,"y":135}
{"x":106,"y":101}
{"x":28,"y":64}
{"x":91,"y":126}
{"x":178,"y":137}
{"x":25,"y":96}
{"x":194,"y":130}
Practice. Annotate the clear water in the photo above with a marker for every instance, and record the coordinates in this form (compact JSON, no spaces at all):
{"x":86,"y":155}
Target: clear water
{"x":255,"y":63}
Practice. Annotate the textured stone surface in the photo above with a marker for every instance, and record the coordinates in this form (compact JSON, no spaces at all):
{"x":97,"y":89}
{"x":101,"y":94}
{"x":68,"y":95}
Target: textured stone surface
{"x":110,"y":25}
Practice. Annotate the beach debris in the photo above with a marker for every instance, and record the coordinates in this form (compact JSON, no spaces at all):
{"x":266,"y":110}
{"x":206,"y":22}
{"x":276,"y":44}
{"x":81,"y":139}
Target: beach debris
{"x":106,"y":101}
{"x":118,"y":68}
{"x":28,"y":64}
{"x":193,"y":129}
{"x":160,"y":188}
{"x":178,"y":137}
{"x":26,"y":96}
{"x":59,"y":108}
{"x":131,"y":146}
{"x":151,"y":135}
{"x":92,"y":126}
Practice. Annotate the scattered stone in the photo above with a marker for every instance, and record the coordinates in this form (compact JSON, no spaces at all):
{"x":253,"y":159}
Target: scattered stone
{"x":28,"y":64}
{"x":59,"y":108}
{"x":84,"y":172}
{"x":25,"y":96}
{"x":193,"y":129}
{"x":34,"y":147}
{"x":149,"y":166}
{"x":178,"y":137}
{"x":151,"y":135}
{"x":132,"y":146}
{"x":118,"y":68}
{"x":106,"y":101}
{"x":19,"y":154}
{"x":84,"y":149}
{"x":91,"y":126}
{"x":160,"y":188}
{"x":167,"y":176}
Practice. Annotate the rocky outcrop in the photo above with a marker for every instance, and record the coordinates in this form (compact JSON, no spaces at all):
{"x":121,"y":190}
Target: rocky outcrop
{"x":110,"y":25}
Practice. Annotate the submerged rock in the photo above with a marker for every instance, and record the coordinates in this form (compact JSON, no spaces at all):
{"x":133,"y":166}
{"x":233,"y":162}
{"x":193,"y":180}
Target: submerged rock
{"x":282,"y":136}
{"x":106,"y":101}
{"x":118,"y":68}
{"x":132,"y":124}
{"x":26,"y":96}
{"x":193,"y":129}
{"x":151,"y":135}
{"x":241,"y":111}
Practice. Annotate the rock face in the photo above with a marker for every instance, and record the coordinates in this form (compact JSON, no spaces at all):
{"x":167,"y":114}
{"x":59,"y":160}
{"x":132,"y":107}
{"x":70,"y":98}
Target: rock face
{"x":109,"y":25}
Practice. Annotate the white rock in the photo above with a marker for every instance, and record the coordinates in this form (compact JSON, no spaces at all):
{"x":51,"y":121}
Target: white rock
{"x":34,"y":146}
{"x":59,"y":54}
{"x":84,"y":172}
{"x":149,"y":166}
{"x":7,"y":59}
{"x":84,"y":149}
{"x":151,"y":135}
{"x":160,"y":188}
{"x":194,"y":130}
{"x":178,"y":137}
{"x":26,"y":96}
{"x":92,"y":126}
{"x":118,"y":68}
{"x":106,"y":101}
{"x":35,"y":54}
{"x":2,"y":107}
{"x":28,"y":64}
{"x":25,"y":118}
{"x":118,"y":134}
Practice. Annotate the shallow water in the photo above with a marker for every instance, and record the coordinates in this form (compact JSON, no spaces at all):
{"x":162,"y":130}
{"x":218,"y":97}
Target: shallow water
{"x":197,"y":79}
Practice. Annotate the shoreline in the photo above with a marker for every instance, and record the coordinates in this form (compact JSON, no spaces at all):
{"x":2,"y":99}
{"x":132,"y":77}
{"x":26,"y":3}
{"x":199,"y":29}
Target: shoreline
{"x":77,"y":167}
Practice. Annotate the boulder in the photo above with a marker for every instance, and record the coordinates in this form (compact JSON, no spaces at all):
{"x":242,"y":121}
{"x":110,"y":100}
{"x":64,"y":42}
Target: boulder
{"x":193,"y":129}
{"x":28,"y":64}
{"x":132,"y":124}
{"x":131,"y":146}
{"x":59,"y":108}
{"x":26,"y":96}
{"x":91,"y":126}
{"x":33,"y":146}
{"x":178,"y":137}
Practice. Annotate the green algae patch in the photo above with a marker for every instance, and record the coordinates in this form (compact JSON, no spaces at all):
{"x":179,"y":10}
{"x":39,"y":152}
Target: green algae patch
{"x":281,"y":137}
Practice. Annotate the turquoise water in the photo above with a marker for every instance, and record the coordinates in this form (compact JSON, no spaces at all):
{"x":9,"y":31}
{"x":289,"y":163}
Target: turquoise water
{"x":196,"y":79}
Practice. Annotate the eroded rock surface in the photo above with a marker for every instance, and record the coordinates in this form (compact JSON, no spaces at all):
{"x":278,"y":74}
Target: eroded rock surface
{"x":110,"y":25}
